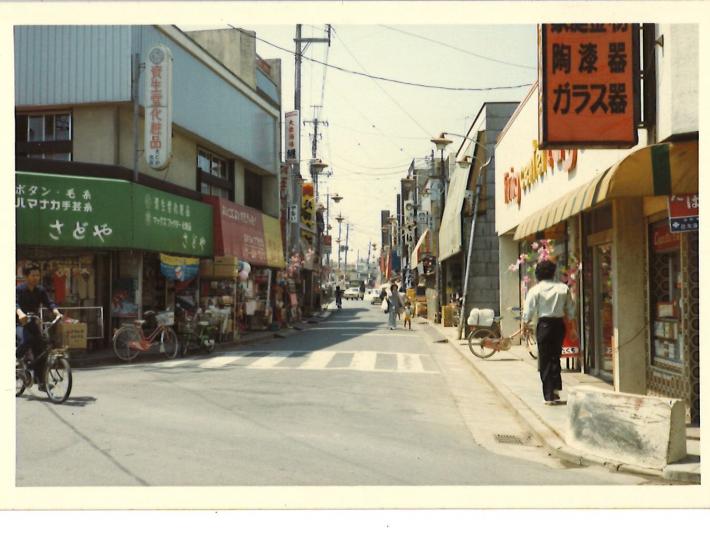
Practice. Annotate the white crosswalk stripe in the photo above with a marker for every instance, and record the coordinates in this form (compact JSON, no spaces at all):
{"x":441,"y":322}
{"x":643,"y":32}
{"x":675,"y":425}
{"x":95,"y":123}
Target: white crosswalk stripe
{"x":268,"y":361}
{"x":363,"y":361}
{"x":317,"y":360}
{"x":220,"y":361}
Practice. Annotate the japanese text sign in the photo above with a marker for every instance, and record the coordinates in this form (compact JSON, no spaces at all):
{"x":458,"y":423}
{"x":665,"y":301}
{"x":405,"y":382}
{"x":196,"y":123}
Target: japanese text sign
{"x":684,"y":213}
{"x":171,"y":223}
{"x":71,"y":211}
{"x":293,"y":136}
{"x":158,"y":106}
{"x":308,"y":207}
{"x":589,"y":85}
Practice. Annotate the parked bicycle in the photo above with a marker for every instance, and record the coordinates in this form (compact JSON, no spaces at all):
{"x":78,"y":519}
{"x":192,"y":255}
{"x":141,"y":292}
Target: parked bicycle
{"x":197,"y":332}
{"x":57,"y":371}
{"x":132,"y":339}
{"x":484,"y":341}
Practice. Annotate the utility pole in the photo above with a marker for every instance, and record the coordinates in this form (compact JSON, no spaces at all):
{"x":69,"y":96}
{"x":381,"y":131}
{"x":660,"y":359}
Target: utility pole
{"x":347,"y":236}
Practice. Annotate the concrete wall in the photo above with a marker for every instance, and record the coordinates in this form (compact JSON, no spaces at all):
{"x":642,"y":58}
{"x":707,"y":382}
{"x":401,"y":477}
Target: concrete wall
{"x":183,"y":165}
{"x":509,"y":282}
{"x":235,"y":49}
{"x":95,"y":134}
{"x":271,"y":204}
{"x":629,"y":285}
{"x":677,"y":80}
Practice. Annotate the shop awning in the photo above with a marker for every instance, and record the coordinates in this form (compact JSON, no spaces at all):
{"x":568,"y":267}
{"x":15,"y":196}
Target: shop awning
{"x":450,"y":231}
{"x":657,"y":170}
{"x":422,"y":248}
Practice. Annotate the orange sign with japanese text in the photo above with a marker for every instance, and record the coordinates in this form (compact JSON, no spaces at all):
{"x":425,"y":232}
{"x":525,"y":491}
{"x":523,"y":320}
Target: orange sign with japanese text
{"x":589,"y":91}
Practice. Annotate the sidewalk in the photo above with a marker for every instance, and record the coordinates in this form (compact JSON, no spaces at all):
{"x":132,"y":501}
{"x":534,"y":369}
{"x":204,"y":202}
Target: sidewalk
{"x":513,"y":375}
{"x":106,"y":356}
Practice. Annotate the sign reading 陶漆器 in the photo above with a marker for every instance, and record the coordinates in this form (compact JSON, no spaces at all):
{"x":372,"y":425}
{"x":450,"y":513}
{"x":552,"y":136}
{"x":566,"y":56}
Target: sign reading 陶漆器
{"x":589,"y":91}
{"x":158,"y":106}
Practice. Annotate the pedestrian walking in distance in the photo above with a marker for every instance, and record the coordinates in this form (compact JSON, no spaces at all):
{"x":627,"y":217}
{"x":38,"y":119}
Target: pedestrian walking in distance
{"x":551,"y":301}
{"x":394,"y":305}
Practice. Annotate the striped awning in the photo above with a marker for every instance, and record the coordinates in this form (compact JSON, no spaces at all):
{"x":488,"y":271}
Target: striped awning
{"x":657,"y":170}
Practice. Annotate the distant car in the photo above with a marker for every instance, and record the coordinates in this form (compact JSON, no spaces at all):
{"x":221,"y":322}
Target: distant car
{"x":353,"y":293}
{"x":373,"y":296}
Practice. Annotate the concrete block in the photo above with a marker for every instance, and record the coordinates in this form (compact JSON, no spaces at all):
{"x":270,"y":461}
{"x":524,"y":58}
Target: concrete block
{"x":626,"y":428}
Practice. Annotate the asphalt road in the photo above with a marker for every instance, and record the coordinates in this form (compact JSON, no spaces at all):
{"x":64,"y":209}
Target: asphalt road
{"x":347,"y":402}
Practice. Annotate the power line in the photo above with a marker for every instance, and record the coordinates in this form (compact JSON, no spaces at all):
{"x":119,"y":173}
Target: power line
{"x":468,"y":52}
{"x":390,"y":80}
{"x":394,"y":100}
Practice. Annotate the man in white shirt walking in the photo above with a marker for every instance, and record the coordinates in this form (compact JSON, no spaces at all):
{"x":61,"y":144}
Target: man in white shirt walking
{"x":552,"y":302}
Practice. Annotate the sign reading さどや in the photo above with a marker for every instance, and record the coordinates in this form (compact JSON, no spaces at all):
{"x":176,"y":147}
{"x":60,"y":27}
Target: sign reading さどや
{"x":73,"y":211}
{"x":158,"y":106}
{"x":589,"y":90}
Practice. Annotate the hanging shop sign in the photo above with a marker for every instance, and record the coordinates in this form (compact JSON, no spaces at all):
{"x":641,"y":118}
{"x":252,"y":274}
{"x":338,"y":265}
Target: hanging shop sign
{"x":308,"y":208}
{"x":518,"y":182}
{"x":171,"y":223}
{"x":664,"y":240}
{"x":327,"y":244}
{"x":179,"y":268}
{"x":293,"y":136}
{"x":54,"y":210}
{"x":684,"y":213}
{"x":589,"y":92}
{"x":246,"y":233}
{"x":158,"y":105}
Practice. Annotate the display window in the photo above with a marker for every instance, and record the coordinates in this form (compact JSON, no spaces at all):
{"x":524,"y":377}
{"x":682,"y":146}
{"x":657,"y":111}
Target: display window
{"x":665,"y":286}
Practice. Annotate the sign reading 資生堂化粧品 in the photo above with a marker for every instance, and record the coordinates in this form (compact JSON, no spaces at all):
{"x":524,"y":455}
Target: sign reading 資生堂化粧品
{"x":158,"y":106}
{"x":589,"y":89}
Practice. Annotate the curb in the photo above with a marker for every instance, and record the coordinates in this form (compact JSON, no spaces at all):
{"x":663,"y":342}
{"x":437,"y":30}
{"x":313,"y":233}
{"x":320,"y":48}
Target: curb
{"x":555,"y":444}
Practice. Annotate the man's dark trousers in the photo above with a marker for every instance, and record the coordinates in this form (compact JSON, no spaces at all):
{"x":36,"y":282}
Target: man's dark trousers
{"x":550,"y":333}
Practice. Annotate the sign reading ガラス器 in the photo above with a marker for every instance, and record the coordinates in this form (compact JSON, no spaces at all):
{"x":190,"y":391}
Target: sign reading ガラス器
{"x":158,"y":106}
{"x":589,"y":87}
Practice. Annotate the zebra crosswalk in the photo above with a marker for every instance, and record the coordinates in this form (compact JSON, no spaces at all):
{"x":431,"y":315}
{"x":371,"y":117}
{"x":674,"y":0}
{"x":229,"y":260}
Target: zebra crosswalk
{"x":361,"y":361}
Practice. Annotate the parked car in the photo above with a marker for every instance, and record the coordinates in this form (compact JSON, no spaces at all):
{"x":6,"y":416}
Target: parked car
{"x":373,"y":296}
{"x":352,"y":293}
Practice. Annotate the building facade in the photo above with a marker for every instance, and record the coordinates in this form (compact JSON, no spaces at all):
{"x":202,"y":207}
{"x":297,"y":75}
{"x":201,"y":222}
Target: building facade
{"x":604,"y":216}
{"x":108,"y":214}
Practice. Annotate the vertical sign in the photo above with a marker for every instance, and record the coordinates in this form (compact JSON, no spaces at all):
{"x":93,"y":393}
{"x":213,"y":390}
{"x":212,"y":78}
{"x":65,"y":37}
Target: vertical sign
{"x":308,"y":208}
{"x":158,"y":106}
{"x":293,"y":136}
{"x":684,"y":213}
{"x":590,"y":85}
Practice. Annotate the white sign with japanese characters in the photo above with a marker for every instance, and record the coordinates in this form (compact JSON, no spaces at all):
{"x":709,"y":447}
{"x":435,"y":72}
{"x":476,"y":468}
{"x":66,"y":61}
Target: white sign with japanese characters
{"x":158,"y":106}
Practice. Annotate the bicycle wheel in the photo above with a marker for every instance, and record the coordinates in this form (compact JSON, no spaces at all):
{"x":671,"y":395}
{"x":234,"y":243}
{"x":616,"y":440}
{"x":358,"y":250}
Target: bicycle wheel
{"x":19,"y":378}
{"x":58,"y":380}
{"x":125,"y":342}
{"x":168,"y":343}
{"x":531,"y":343}
{"x":476,"y":342}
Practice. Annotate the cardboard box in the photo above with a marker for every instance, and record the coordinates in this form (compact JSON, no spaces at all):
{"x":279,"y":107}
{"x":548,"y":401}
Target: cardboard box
{"x":226,"y":261}
{"x":224,"y":271}
{"x":71,"y":335}
{"x":206,"y":268}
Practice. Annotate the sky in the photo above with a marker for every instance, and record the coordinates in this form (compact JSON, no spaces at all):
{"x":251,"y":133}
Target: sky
{"x":375,"y":128}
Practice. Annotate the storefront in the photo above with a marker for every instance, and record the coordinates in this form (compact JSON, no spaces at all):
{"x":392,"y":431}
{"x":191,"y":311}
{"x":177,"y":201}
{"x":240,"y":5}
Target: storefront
{"x":249,"y":253}
{"x":604,"y":215}
{"x":98,"y":242}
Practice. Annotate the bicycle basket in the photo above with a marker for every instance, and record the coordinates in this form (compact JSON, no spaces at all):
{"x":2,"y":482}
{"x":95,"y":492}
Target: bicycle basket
{"x":165,"y":318}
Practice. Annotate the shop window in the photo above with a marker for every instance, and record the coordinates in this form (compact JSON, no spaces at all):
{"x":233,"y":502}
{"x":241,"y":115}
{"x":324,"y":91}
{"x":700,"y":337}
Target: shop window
{"x":665,"y":282}
{"x":214,"y":175}
{"x":44,"y":135}
{"x":252,"y":190}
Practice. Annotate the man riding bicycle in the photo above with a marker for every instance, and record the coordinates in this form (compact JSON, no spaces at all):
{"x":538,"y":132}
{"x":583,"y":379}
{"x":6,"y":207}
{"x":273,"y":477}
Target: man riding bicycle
{"x":28,"y":298}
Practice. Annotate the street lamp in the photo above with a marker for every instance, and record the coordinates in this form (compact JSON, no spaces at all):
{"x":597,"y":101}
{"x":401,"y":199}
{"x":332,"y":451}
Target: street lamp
{"x":336,"y":198}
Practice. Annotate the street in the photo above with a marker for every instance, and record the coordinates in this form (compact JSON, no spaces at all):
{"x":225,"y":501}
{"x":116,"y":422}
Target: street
{"x":347,"y":402}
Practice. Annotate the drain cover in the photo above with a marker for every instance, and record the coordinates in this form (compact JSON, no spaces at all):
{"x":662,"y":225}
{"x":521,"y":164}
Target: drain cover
{"x":508,"y":439}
